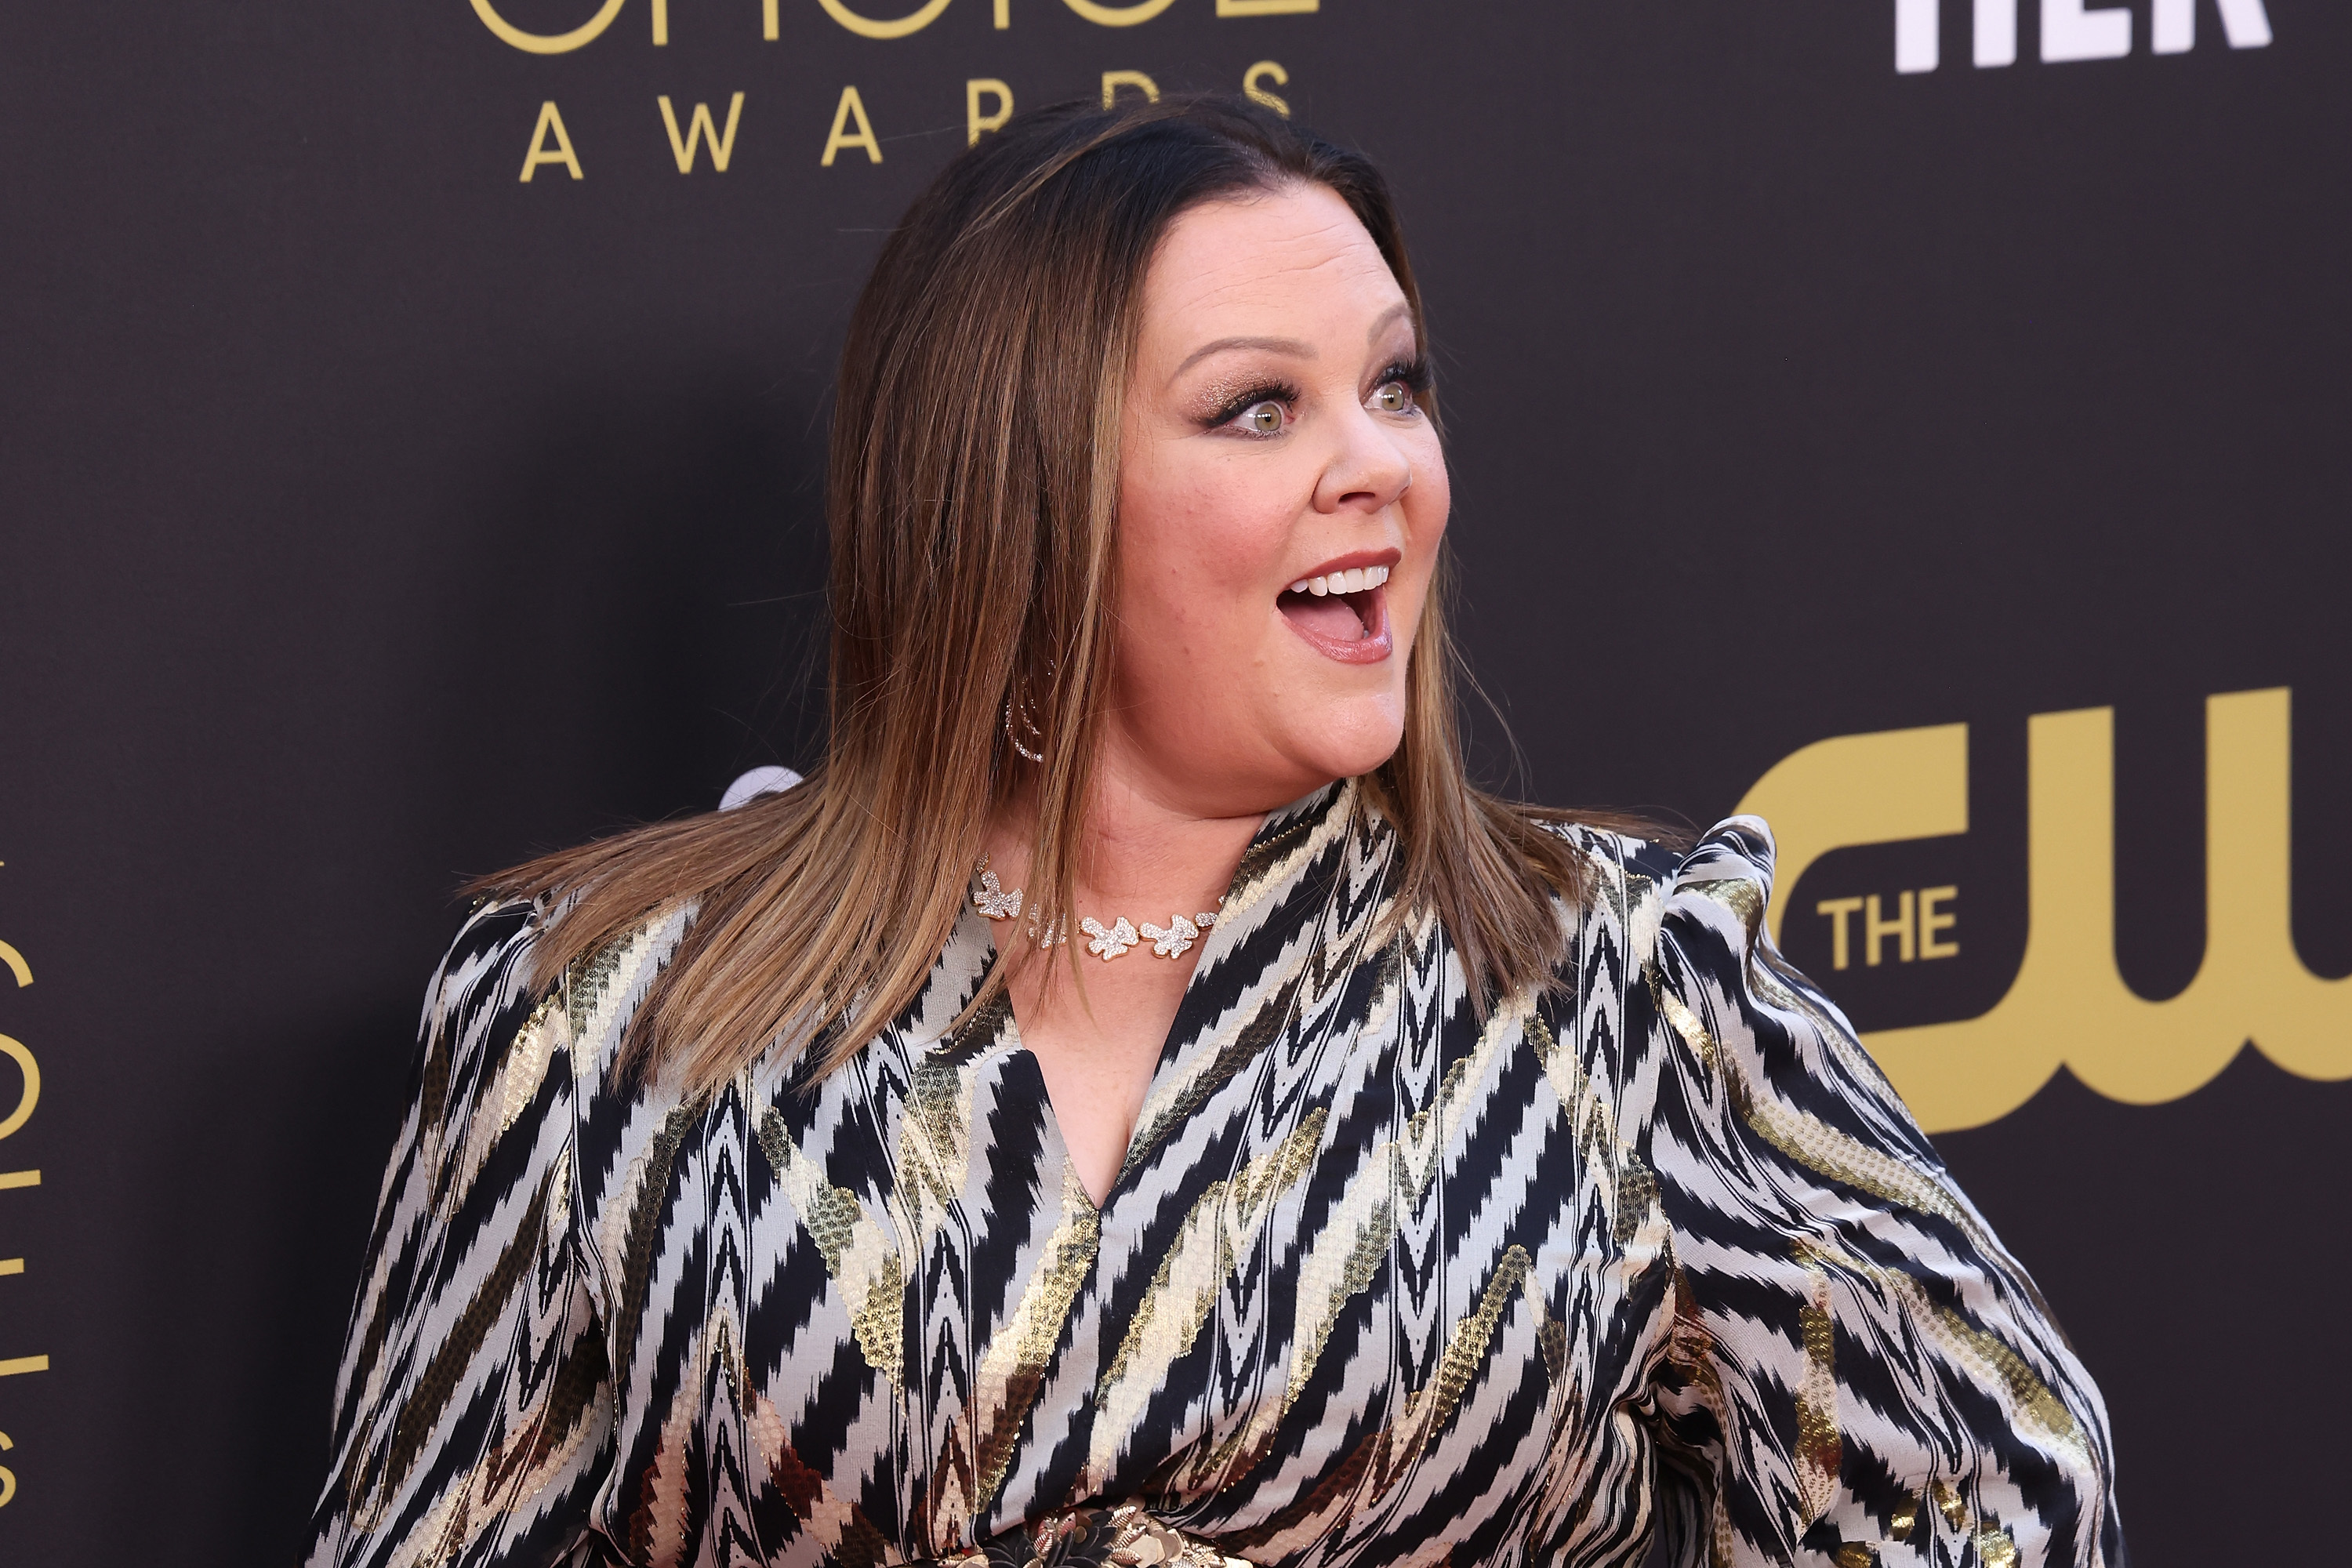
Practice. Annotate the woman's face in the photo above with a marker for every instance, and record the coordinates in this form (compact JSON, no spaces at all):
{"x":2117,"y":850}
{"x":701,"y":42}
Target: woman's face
{"x":1281,"y":498}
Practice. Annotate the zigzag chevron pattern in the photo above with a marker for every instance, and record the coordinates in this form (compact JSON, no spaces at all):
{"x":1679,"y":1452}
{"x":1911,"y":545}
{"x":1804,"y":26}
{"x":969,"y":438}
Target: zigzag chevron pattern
{"x":1656,"y":1259}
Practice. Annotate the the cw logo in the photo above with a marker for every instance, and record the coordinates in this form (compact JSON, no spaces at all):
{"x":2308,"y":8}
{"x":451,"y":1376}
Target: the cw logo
{"x":2068,"y":1004}
{"x":2071,"y":31}
{"x":771,"y":24}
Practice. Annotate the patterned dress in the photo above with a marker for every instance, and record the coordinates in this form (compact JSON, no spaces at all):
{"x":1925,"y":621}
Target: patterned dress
{"x":1654,"y":1262}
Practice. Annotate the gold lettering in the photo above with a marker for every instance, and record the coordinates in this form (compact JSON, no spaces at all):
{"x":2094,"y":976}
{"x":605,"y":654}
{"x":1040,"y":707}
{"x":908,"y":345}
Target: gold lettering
{"x":974,"y":121}
{"x":852,"y":108}
{"x":768,"y":21}
{"x":1114,"y":80}
{"x":548,"y":43}
{"x":1118,"y":16}
{"x":867,"y":28}
{"x":12,"y":1179}
{"x":1875,"y":929}
{"x":1838,"y":911}
{"x":1266,"y":7}
{"x":2069,"y":1003}
{"x":661,"y":23}
{"x":1932,"y":920}
{"x":23,"y":1364}
{"x":1003,"y":15}
{"x":549,"y":121}
{"x":700,"y":131}
{"x":1263,"y":72}
{"x":1853,"y":790}
{"x":31,"y":1095}
{"x":11,"y":1266}
{"x":17,"y":965}
{"x":7,"y":1476}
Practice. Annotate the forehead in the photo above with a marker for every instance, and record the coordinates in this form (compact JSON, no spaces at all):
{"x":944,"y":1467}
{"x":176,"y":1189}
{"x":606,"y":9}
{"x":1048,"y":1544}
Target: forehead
{"x":1271,"y":261}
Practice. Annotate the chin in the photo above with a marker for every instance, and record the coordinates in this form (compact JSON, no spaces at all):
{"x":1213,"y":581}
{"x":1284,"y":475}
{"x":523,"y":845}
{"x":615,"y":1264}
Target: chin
{"x":1346,"y":750}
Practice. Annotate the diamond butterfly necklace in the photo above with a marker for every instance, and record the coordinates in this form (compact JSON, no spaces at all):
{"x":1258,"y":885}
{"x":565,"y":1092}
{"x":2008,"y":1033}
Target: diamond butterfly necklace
{"x":1106,"y":942}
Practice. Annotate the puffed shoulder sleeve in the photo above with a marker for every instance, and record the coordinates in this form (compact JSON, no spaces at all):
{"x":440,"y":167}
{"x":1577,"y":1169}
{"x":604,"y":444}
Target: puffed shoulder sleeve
{"x":1857,"y":1372}
{"x":472,"y":1419}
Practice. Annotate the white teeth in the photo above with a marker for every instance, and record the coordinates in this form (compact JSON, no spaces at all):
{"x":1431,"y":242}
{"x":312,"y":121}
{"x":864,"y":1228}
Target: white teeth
{"x":1355,"y":581}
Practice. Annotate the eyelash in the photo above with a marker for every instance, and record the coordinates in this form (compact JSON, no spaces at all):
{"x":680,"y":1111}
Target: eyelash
{"x":1280,"y":392}
{"x":1412,"y":374}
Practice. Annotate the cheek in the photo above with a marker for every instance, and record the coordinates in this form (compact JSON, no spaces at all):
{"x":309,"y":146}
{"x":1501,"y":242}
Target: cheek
{"x":1199,"y":541}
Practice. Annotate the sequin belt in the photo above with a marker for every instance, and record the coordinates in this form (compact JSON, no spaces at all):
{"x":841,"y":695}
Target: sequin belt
{"x":1120,"y":1537}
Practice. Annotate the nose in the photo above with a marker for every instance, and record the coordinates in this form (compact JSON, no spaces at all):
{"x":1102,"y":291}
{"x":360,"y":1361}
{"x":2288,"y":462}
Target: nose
{"x":1368,"y":469}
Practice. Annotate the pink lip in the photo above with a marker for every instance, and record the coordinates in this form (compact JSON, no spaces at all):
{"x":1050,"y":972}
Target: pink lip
{"x":1368,"y":649}
{"x":1388,"y":558}
{"x":1379,"y":641}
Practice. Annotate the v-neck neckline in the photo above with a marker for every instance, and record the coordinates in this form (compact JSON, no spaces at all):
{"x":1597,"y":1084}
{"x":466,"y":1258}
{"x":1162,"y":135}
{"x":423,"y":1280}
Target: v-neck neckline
{"x":1184,"y":1033}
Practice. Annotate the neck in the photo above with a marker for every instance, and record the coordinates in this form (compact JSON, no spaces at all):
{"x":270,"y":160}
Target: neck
{"x":1148,"y":851}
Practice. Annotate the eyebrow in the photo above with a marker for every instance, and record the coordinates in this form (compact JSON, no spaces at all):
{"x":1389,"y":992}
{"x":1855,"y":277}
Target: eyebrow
{"x":1291,"y":346}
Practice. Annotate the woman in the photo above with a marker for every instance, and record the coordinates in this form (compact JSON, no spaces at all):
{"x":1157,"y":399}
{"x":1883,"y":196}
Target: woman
{"x":1136,"y":1100}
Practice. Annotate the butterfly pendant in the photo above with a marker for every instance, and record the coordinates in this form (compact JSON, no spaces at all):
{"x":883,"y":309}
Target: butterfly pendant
{"x":1177,"y":937}
{"x":993,"y":902}
{"x":1109,"y":944}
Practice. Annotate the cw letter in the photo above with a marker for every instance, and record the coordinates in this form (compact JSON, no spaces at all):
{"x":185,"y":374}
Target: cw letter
{"x":1273,"y":7}
{"x":852,"y":108}
{"x":700,"y":130}
{"x":2070,"y":32}
{"x":549,"y":123}
{"x":974,"y":121}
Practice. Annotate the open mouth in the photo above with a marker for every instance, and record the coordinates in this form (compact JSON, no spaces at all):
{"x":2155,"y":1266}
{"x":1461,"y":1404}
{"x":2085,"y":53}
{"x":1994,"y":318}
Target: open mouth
{"x":1343,"y":613}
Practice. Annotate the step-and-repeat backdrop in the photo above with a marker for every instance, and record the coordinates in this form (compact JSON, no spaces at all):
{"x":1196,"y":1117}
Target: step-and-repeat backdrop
{"x":1922,"y":421}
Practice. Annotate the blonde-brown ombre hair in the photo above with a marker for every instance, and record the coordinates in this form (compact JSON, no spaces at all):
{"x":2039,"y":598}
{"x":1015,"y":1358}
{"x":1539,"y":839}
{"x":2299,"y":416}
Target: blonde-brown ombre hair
{"x":972,"y":505}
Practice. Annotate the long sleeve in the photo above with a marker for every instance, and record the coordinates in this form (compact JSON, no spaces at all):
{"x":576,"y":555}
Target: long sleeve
{"x":473,"y":1420}
{"x":1858,"y":1373}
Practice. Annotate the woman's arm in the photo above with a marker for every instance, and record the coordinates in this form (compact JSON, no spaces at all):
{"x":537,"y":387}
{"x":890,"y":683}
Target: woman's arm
{"x":1859,"y":1373}
{"x":473,"y":1416}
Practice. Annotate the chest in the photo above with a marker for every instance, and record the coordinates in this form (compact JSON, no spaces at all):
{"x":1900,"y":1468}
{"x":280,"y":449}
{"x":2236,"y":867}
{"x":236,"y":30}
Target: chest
{"x":1373,"y":1267}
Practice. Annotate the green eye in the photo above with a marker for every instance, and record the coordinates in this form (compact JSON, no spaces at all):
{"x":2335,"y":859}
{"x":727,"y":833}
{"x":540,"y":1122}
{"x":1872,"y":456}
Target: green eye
{"x":1264,"y":418}
{"x":1395,"y":398}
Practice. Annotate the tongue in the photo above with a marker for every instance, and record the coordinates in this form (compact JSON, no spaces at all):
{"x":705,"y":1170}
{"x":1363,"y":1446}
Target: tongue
{"x":1331,"y":616}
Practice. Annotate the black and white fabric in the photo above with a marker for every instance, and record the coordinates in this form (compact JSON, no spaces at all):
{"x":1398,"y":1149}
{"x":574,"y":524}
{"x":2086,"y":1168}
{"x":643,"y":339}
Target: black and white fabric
{"x":1653,"y":1261}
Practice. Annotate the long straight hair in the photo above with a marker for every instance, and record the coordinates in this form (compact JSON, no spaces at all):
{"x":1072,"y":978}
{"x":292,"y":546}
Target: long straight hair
{"x":971,"y":501}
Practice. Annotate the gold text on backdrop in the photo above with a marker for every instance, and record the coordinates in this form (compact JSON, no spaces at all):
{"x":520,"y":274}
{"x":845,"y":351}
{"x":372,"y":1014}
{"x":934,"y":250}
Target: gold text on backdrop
{"x":2069,"y":1005}
{"x":1113,"y":80}
{"x":550,"y":123}
{"x":851,"y":107}
{"x":975,"y":122}
{"x":700,"y":131}
{"x":586,"y":32}
{"x":1254,"y":82}
{"x":1920,"y":938}
{"x":28,"y":1100}
{"x":1102,"y":14}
